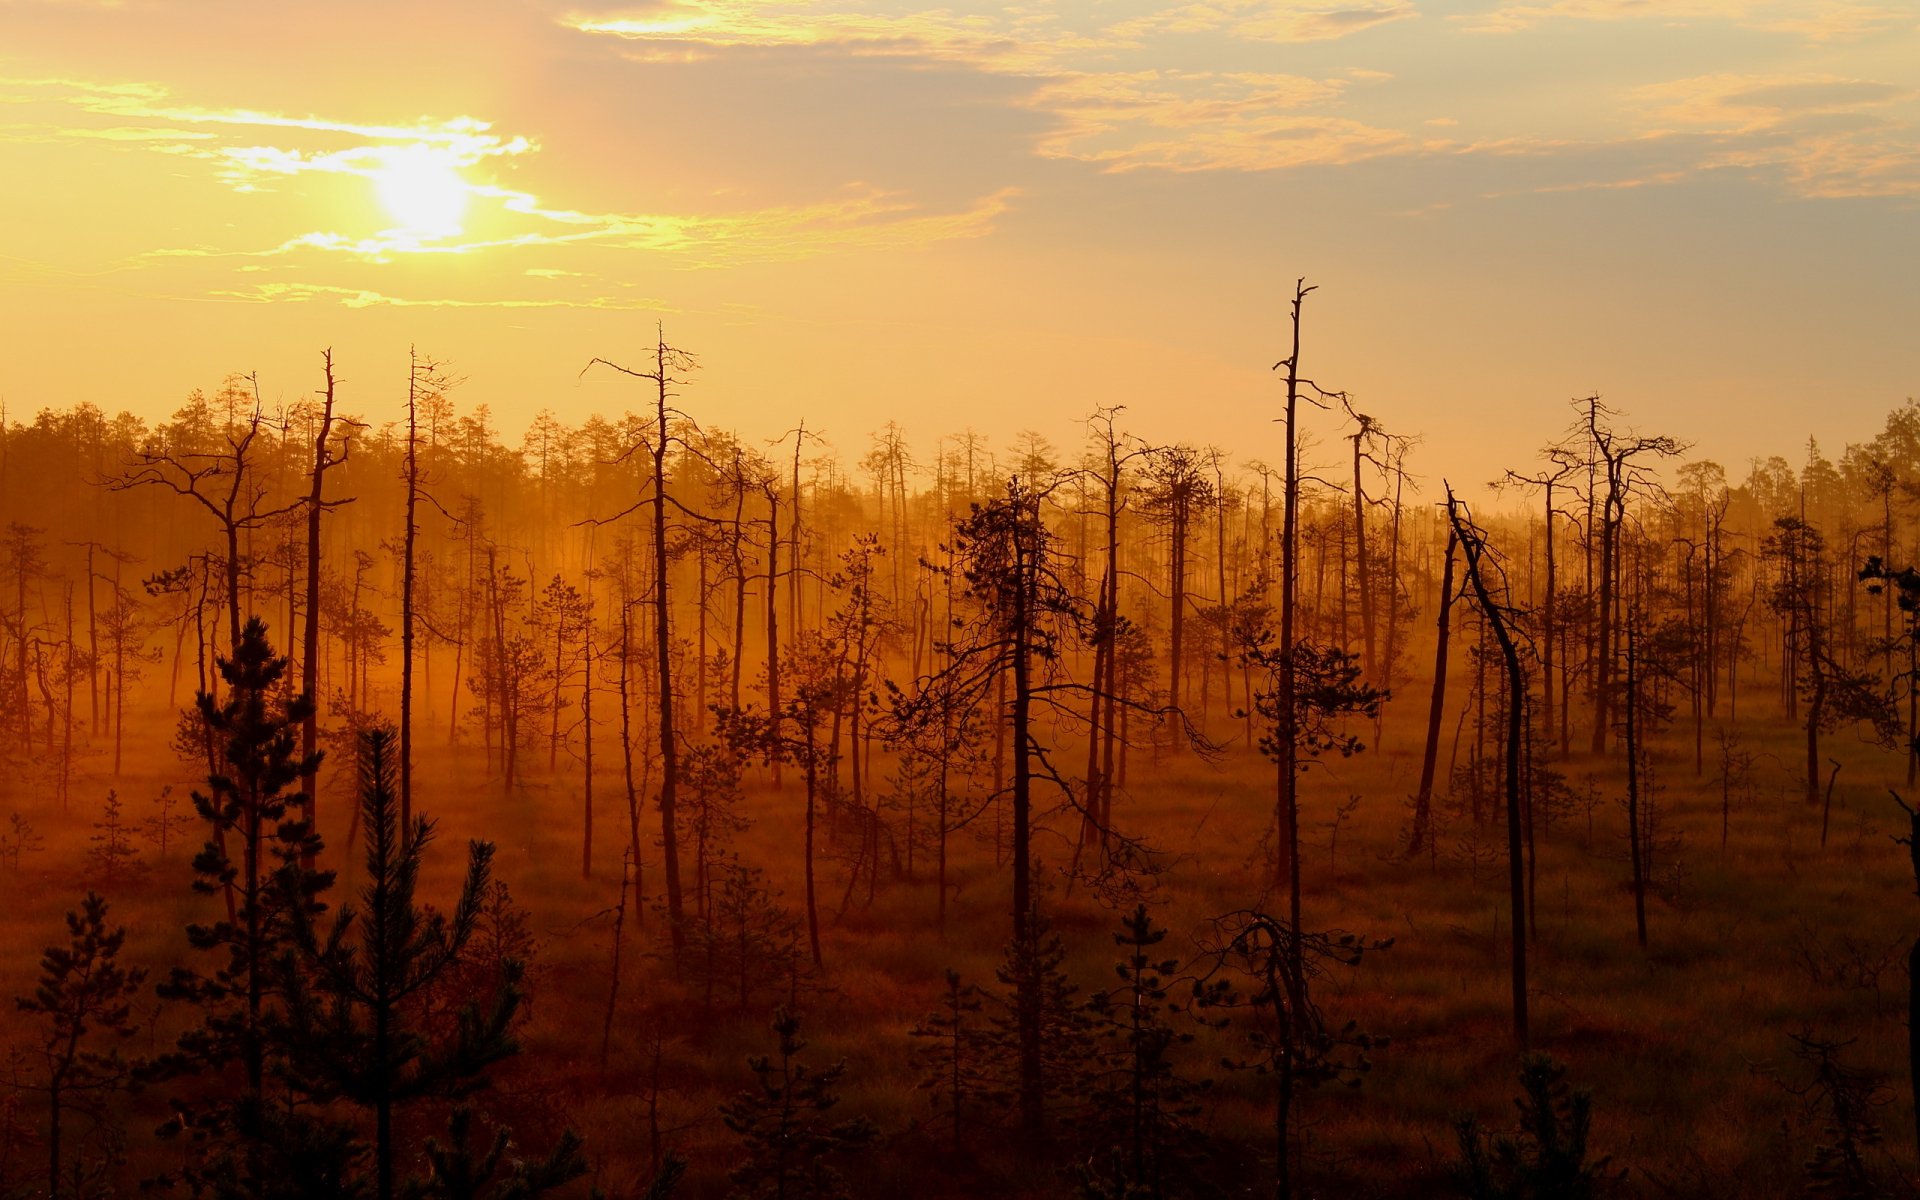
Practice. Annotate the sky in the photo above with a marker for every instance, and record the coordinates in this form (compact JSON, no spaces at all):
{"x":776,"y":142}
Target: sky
{"x":998,"y":218}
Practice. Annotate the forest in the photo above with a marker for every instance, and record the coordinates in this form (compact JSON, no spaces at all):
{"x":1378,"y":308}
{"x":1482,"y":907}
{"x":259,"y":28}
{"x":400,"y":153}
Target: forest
{"x":396,"y":804}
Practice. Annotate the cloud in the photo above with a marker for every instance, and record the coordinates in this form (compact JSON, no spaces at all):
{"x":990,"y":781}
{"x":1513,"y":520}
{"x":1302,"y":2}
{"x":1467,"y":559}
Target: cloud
{"x":1266,"y":20}
{"x":1203,"y":121}
{"x":353,"y":297}
{"x":1813,"y":20}
{"x":688,"y":30}
{"x":1737,"y":103}
{"x":864,"y":218}
{"x":1016,"y":40}
{"x":1118,"y":119}
{"x":495,"y":217}
{"x":1822,"y":135}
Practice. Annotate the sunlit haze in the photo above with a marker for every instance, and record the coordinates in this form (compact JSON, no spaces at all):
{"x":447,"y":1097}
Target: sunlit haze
{"x":1704,"y":210}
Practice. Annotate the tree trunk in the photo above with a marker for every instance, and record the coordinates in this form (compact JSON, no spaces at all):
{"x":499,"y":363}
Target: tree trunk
{"x":1436,"y":706}
{"x":1472,"y":549}
{"x":310,"y":643}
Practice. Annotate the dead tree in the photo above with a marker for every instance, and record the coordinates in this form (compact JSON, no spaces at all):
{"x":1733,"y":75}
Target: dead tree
{"x":1615,"y":457}
{"x":1421,"y":830}
{"x":426,"y":381}
{"x":1912,"y":842}
{"x":324,"y":460}
{"x":1561,"y":464}
{"x":668,"y":371}
{"x":1473,"y":547}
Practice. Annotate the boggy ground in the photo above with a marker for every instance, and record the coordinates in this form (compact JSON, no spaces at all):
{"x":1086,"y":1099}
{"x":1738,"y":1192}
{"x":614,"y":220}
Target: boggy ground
{"x":1686,"y":1045}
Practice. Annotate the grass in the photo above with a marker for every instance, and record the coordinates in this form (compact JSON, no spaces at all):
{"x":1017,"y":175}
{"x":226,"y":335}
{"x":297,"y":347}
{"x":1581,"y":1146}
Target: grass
{"x":1685,"y":1045}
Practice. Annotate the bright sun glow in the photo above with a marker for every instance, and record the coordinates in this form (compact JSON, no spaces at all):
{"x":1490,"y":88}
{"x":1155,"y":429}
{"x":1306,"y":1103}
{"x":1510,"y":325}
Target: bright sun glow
{"x":422,"y":192}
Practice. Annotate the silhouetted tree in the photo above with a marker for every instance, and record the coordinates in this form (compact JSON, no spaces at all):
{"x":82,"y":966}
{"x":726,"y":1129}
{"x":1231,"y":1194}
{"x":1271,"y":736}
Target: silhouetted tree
{"x":1845,"y":1096}
{"x":954,"y":1060}
{"x":787,"y":1135}
{"x":349,"y":1024}
{"x":1473,"y":545}
{"x":83,"y":998}
{"x":669,"y":367}
{"x":249,"y":805}
{"x":111,"y":858}
{"x":1141,"y":1108}
{"x":1547,"y":1156}
{"x":1259,"y":965}
{"x":459,"y":1169}
{"x":1835,"y":696}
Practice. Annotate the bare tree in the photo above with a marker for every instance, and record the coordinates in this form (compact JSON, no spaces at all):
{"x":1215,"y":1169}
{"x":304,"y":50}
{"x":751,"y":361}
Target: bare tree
{"x":670,"y":365}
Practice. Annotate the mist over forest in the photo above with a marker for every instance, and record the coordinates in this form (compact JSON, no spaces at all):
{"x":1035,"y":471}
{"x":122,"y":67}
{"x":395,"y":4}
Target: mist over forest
{"x":413,"y":806}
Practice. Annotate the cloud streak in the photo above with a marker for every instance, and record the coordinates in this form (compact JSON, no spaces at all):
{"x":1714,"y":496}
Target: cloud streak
{"x":1812,"y":20}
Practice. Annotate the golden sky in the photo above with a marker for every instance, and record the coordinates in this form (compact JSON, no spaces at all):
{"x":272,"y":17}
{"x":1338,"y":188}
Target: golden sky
{"x":1706,"y":210}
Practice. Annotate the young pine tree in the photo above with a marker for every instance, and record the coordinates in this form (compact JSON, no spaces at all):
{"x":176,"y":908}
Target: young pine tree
{"x":257,"y":858}
{"x":787,"y":1133}
{"x":1140,"y":1108}
{"x":112,"y":859}
{"x":1546,"y":1157}
{"x":84,"y":997}
{"x":954,"y":1060}
{"x":459,"y":1169}
{"x":350,"y":1023}
{"x":1033,"y":982}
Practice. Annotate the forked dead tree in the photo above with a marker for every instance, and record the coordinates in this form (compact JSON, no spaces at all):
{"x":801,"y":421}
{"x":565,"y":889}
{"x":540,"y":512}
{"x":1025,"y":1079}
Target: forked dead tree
{"x":1474,"y":551}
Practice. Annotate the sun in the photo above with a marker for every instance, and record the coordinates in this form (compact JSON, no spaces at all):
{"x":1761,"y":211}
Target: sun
{"x":422,"y":191}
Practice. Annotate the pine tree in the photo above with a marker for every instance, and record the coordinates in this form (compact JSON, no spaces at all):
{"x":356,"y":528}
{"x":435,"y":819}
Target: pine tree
{"x":1140,"y":1109}
{"x":751,"y":944}
{"x":163,"y":828}
{"x":20,"y":839}
{"x":350,"y":1027}
{"x":1846,"y":1096}
{"x":84,"y":996}
{"x":1032,"y":980}
{"x":460,"y":1170}
{"x":112,"y":858}
{"x":954,"y":1059}
{"x":255,"y":858}
{"x":1266,"y":970}
{"x":786,"y":1133}
{"x":1546,"y":1157}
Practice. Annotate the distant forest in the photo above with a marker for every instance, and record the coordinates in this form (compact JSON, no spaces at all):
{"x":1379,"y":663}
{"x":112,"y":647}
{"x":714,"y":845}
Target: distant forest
{"x":637,"y":807}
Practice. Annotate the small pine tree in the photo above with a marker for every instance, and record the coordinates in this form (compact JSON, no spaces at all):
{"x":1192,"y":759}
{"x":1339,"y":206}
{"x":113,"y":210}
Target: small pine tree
{"x":503,"y":942}
{"x":84,"y":996}
{"x":1032,"y":968}
{"x":786,"y":1133}
{"x":1139,"y":1122}
{"x":954,"y":1059}
{"x":460,"y":1170}
{"x":1846,"y":1097}
{"x":1545,"y":1158}
{"x":1262,"y":975}
{"x":19,"y":840}
{"x":257,"y":861}
{"x":750,"y":945}
{"x":163,"y":828}
{"x":112,"y":859}
{"x":346,"y":1028}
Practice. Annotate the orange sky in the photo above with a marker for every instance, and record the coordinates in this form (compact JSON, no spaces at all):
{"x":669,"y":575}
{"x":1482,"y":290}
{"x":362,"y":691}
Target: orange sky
{"x":1704,"y":209}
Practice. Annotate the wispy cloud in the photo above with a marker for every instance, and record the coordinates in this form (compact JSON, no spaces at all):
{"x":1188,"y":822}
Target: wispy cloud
{"x":1265,"y":20}
{"x":352,"y":297}
{"x":1822,"y":135}
{"x":865,"y":218}
{"x":1813,"y":20}
{"x":455,"y":153}
{"x":1201,"y":121}
{"x":1122,"y":119}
